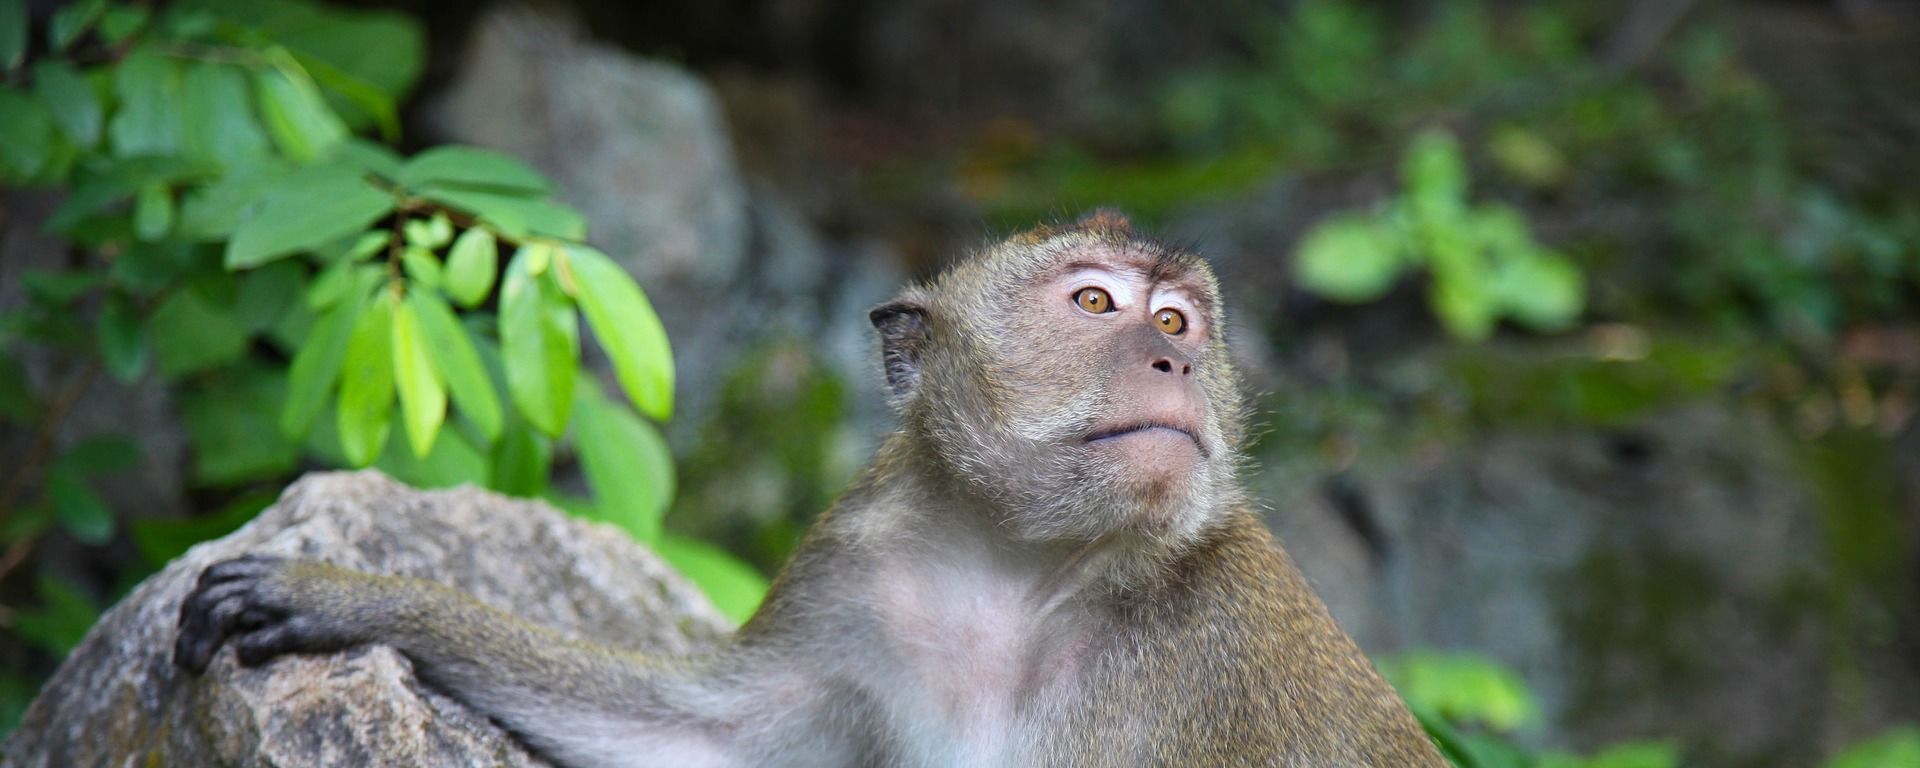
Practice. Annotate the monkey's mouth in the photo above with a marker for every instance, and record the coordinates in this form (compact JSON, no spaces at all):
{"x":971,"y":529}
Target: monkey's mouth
{"x":1145,"y":427}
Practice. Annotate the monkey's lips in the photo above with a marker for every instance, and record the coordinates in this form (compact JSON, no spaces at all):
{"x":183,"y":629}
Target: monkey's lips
{"x":1150,"y":431}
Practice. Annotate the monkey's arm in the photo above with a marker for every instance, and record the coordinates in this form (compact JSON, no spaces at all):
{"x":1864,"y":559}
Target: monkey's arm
{"x":578,"y":703}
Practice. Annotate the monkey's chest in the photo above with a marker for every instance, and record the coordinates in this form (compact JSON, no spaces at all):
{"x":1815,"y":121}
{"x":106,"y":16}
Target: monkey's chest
{"x":968,"y":667}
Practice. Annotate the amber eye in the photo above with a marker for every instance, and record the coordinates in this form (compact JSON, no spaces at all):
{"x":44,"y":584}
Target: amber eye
{"x":1171,"y":322}
{"x":1093,"y":300}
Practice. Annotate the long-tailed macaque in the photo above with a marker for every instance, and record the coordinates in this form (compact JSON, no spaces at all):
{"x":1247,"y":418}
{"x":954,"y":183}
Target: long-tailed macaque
{"x":1051,"y":562}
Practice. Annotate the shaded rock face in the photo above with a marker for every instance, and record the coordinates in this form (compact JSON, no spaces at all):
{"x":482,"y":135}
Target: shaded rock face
{"x":118,"y":699}
{"x":1670,"y":580}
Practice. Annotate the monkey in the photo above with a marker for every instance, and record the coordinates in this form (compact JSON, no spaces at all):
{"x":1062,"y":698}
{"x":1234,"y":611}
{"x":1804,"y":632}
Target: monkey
{"x":1050,"y":561}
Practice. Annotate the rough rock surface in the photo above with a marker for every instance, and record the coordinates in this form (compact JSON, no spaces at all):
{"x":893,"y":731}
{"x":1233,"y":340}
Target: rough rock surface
{"x":1660,"y":580}
{"x":118,"y":700}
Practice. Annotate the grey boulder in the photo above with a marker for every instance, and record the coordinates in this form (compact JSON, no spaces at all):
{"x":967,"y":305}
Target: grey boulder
{"x":118,"y":699}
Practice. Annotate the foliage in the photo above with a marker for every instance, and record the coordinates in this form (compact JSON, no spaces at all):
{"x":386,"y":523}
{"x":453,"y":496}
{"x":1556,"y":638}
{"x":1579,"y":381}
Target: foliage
{"x":1474,"y":708}
{"x":299,"y":289}
{"x":1484,"y":262}
{"x":1899,"y":746}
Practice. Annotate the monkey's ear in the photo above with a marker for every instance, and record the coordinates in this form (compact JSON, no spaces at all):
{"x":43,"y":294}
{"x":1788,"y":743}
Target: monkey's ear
{"x":903,"y":338}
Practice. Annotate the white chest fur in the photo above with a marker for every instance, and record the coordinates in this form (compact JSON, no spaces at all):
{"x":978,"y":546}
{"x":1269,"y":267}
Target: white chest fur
{"x":974,"y":640}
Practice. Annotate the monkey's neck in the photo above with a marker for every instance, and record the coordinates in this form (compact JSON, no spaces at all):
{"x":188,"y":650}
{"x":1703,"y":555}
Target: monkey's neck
{"x":909,"y":504}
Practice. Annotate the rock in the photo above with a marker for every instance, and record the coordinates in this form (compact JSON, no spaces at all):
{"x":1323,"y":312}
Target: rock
{"x":118,"y":699}
{"x":1672,"y":579}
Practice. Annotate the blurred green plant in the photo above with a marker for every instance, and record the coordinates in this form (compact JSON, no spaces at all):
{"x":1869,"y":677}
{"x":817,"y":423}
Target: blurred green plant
{"x":1897,"y":747}
{"x":299,"y":289}
{"x":1483,"y":262}
{"x":1474,"y":708}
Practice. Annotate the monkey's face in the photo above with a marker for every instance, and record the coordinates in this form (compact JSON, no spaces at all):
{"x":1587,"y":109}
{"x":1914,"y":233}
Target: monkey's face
{"x":1081,"y":382}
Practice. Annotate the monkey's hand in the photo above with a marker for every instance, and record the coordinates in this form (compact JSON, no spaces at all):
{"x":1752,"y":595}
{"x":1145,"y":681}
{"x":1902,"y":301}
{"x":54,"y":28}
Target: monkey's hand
{"x":267,"y":606}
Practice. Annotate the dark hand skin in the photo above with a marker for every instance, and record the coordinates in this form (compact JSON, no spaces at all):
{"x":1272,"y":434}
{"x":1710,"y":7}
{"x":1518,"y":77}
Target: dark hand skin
{"x":245,"y":602}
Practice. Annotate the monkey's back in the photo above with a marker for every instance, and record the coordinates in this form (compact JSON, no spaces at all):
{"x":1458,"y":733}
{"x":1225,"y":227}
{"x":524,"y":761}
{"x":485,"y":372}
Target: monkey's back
{"x":1235,"y":661}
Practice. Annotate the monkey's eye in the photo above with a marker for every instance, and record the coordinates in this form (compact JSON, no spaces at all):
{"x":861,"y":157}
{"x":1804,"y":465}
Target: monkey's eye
{"x":1093,"y":300}
{"x":1170,"y":321}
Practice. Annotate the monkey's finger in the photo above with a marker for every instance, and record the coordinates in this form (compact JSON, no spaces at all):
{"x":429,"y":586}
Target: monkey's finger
{"x":239,"y":612}
{"x":259,"y":647}
{"x":193,"y":648}
{"x":205,"y":598}
{"x":247,"y":566}
{"x":254,"y":618}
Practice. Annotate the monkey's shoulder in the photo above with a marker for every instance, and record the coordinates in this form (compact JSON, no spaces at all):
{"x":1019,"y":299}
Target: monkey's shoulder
{"x":1241,"y":663}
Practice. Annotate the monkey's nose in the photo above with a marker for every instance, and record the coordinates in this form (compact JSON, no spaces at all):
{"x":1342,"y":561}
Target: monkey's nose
{"x":1167,"y":364}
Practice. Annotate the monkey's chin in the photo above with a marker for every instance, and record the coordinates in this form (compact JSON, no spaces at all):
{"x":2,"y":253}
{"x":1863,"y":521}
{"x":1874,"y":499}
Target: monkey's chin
{"x":1155,"y":456}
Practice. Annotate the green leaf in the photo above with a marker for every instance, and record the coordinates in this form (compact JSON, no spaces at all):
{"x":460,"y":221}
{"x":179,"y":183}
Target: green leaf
{"x":13,"y":33}
{"x":361,"y":97}
{"x":16,"y":395}
{"x":267,"y":294}
{"x":152,"y":212}
{"x":512,"y":215}
{"x":377,"y":159}
{"x":1542,"y":291}
{"x":1436,"y":177}
{"x":627,"y":327}
{"x":317,"y":365}
{"x":367,"y":244}
{"x":421,"y":266}
{"x":62,"y":620}
{"x":540,"y":341}
{"x":147,"y":121}
{"x":100,"y":454}
{"x":1349,"y":258}
{"x":160,"y":540}
{"x":381,"y":50}
{"x":1657,"y":754}
{"x":429,"y":233}
{"x":72,"y":100}
{"x":119,"y":22}
{"x":72,"y":21}
{"x":79,"y":511}
{"x":190,"y":334}
{"x":520,"y":461}
{"x":458,"y":363}
{"x":321,"y":206}
{"x":230,"y":419}
{"x":297,"y":118}
{"x":60,"y":287}
{"x":627,"y":463}
{"x":366,"y":389}
{"x":1896,"y":747}
{"x":423,"y":395}
{"x":218,"y":123}
{"x":213,"y":212}
{"x":122,"y":341}
{"x":26,"y":135}
{"x":472,"y":266}
{"x":1461,"y":687}
{"x":452,"y":461}
{"x":472,"y":168}
{"x":734,"y":587}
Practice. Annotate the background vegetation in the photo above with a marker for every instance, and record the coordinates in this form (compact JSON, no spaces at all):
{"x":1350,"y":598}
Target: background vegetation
{"x":241,"y":223}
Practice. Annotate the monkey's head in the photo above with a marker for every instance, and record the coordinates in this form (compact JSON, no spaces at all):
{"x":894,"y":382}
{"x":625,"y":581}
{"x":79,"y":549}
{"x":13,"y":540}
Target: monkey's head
{"x":1076,"y":378}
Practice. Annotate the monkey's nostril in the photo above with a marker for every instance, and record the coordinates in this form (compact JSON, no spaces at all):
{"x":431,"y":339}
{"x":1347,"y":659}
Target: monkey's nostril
{"x":1163,"y":366}
{"x":1186,"y":370}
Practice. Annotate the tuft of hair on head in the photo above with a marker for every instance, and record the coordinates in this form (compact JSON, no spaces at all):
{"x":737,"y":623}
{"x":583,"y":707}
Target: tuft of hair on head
{"x":1105,"y":220}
